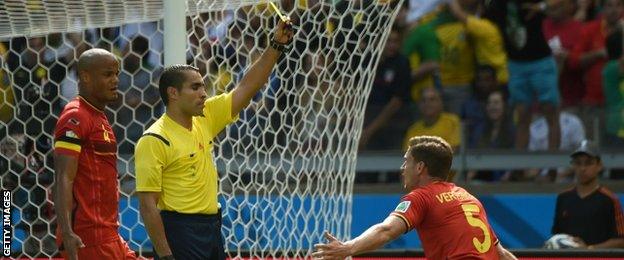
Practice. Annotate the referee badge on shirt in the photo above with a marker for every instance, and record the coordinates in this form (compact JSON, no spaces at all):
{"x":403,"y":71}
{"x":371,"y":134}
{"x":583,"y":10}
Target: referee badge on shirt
{"x":403,"y":206}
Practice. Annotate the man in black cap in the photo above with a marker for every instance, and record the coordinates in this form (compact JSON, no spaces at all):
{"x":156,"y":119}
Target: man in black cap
{"x":588,"y":211}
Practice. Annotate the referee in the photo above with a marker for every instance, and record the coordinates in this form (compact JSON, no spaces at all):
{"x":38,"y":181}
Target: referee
{"x":175,"y":174}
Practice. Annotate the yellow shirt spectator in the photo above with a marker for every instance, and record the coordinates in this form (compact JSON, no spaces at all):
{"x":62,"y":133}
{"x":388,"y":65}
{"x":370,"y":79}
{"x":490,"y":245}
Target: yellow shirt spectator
{"x":447,"y":127}
{"x":457,"y":63}
{"x":443,"y":39}
{"x":488,"y":43}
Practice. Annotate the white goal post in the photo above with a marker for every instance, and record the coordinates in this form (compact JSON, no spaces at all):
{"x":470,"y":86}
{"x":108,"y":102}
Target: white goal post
{"x":286,"y":167}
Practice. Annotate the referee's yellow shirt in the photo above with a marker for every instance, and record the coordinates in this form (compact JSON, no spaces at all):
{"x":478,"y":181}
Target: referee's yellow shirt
{"x":178,"y":163}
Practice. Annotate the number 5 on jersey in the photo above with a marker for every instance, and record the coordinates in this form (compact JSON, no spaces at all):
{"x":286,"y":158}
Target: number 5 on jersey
{"x":471,"y":210}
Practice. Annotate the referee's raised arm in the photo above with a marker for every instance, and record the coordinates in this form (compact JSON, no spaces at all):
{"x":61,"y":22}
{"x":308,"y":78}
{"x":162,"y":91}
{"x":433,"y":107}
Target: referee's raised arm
{"x":258,"y":74}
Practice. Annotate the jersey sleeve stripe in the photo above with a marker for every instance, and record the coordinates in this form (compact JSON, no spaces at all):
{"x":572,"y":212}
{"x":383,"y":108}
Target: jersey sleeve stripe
{"x":407,"y":223}
{"x":68,"y":139}
{"x":619,"y":217}
{"x":68,"y":146}
{"x":617,"y":210}
{"x":159,"y":137}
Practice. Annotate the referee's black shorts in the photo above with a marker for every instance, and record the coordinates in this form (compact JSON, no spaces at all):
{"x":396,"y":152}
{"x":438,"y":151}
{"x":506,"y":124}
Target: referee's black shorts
{"x":194,"y":236}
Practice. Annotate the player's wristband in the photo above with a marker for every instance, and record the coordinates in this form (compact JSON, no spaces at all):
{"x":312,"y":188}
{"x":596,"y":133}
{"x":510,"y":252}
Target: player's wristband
{"x":167,"y":257}
{"x":281,"y":47}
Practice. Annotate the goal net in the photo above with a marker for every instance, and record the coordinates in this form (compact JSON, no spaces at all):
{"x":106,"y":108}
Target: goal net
{"x":286,"y":167}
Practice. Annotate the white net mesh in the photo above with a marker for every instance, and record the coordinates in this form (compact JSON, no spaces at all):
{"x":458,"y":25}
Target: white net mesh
{"x":287,"y":166}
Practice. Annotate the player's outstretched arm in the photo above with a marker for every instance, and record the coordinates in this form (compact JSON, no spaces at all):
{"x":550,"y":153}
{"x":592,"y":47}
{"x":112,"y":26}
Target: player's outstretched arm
{"x":259,"y":72}
{"x":65,"y":168}
{"x":153,"y":222}
{"x":373,"y":238}
{"x":504,"y":254}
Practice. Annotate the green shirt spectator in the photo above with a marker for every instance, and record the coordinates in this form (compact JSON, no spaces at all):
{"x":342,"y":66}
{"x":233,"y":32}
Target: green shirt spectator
{"x":613,"y":87}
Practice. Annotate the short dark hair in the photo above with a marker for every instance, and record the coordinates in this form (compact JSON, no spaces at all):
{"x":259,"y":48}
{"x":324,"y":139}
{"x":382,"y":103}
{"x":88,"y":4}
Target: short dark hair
{"x":173,"y":76}
{"x":436,"y":153}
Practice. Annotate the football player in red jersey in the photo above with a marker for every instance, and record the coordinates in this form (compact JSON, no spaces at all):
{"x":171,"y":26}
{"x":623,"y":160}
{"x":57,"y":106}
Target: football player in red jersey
{"x":451,"y":223}
{"x":85,"y":150}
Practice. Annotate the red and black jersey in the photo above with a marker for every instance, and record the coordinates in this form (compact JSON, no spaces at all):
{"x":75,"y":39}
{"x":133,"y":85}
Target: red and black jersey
{"x":83,"y":131}
{"x":451,"y":223}
{"x":595,"y":218}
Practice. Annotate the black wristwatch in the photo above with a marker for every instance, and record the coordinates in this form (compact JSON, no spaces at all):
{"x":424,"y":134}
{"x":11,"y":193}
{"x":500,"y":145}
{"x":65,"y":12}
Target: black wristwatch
{"x":167,"y":257}
{"x":281,"y":47}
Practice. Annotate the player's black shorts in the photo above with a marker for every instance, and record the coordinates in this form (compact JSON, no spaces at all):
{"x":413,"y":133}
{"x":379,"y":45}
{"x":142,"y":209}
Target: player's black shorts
{"x":194,"y":236}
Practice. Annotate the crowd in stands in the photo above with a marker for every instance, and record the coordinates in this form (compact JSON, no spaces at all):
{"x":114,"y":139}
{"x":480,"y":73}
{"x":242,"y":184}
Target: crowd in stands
{"x":524,"y":75}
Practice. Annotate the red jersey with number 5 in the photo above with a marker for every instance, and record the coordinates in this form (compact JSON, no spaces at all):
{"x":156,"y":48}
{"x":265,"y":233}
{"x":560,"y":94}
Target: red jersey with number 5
{"x":451,"y":223}
{"x":83,"y":131}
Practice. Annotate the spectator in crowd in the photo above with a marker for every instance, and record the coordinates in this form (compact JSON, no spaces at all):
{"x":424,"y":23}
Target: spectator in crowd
{"x":385,"y":120}
{"x":422,"y":48}
{"x":532,"y":68}
{"x":484,"y":35}
{"x":572,"y":134}
{"x":589,"y":211}
{"x":590,"y":56}
{"x":496,"y":132}
{"x":562,"y":32}
{"x":473,"y":112}
{"x":613,"y":80}
{"x":442,"y":56}
{"x":435,"y":121}
{"x":586,"y":10}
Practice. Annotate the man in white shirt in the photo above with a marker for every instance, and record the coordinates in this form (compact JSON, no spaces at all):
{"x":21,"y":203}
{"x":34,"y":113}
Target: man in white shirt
{"x":572,"y":134}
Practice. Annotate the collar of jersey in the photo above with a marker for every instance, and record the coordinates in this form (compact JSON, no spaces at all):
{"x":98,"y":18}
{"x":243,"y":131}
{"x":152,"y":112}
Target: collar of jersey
{"x":91,"y":106}
{"x":170,"y":121}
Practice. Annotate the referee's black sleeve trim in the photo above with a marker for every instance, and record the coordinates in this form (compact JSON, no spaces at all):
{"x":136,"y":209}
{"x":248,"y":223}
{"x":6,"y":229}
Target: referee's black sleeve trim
{"x":159,"y":137}
{"x":68,"y":139}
